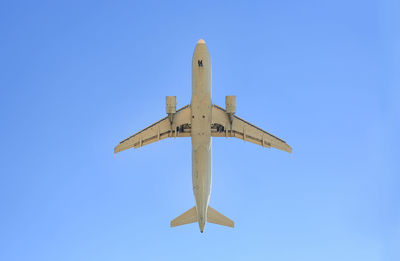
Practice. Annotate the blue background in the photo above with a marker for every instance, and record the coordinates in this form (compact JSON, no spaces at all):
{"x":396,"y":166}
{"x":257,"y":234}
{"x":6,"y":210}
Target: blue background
{"x":77,"y":77}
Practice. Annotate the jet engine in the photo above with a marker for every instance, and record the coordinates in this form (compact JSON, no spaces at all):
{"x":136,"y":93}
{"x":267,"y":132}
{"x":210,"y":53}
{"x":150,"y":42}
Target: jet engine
{"x":230,"y":105}
{"x":171,"y":107}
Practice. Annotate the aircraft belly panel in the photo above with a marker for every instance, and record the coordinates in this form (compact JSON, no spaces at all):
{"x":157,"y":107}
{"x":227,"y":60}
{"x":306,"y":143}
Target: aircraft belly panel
{"x":201,"y":131}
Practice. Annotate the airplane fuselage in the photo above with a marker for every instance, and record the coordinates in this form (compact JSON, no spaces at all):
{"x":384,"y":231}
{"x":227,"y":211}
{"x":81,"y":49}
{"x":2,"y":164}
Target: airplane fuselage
{"x":201,"y":132}
{"x":202,"y":120}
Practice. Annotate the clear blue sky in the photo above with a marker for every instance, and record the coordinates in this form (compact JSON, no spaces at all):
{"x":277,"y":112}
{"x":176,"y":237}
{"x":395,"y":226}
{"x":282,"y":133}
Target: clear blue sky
{"x":77,"y":78}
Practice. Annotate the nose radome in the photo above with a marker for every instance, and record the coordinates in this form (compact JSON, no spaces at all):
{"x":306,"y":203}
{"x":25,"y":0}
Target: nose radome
{"x":201,"y":41}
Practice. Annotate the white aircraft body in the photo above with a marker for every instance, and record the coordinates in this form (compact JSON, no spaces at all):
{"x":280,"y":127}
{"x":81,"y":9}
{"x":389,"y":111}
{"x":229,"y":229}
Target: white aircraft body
{"x":202,"y":120}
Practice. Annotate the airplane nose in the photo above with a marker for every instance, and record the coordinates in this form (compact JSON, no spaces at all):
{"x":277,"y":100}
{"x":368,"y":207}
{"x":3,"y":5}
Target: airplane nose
{"x":201,"y":41}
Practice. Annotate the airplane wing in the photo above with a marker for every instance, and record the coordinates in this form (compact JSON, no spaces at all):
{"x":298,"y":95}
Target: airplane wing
{"x":221,"y":127}
{"x":162,"y":129}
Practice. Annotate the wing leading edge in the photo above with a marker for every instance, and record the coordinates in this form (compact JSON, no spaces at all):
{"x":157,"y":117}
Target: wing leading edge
{"x":239,"y":128}
{"x":162,"y":129}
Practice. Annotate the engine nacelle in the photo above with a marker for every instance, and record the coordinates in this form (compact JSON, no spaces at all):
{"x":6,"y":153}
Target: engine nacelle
{"x":170,"y":107}
{"x":230,"y":104}
{"x":171,"y":104}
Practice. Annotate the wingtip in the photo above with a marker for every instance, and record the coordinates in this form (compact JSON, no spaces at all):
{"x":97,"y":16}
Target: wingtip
{"x":287,"y":148}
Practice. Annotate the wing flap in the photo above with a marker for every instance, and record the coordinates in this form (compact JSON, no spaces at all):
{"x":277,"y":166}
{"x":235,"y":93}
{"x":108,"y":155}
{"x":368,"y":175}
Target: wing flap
{"x":222,"y":127}
{"x":160,"y":130}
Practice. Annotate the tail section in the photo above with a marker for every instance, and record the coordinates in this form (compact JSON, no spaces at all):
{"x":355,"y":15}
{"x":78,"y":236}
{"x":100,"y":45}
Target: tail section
{"x":188,"y":217}
{"x":215,"y":217}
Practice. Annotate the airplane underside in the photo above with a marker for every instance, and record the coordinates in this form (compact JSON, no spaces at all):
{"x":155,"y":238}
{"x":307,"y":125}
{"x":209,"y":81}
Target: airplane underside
{"x":202,"y":120}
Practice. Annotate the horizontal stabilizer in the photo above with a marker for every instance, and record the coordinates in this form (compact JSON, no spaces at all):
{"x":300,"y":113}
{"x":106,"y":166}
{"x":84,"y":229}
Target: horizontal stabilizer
{"x":215,"y":217}
{"x":188,"y":217}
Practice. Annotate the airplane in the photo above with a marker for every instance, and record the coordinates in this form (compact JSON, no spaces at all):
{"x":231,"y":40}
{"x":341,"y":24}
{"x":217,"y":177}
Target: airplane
{"x":202,"y":120}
